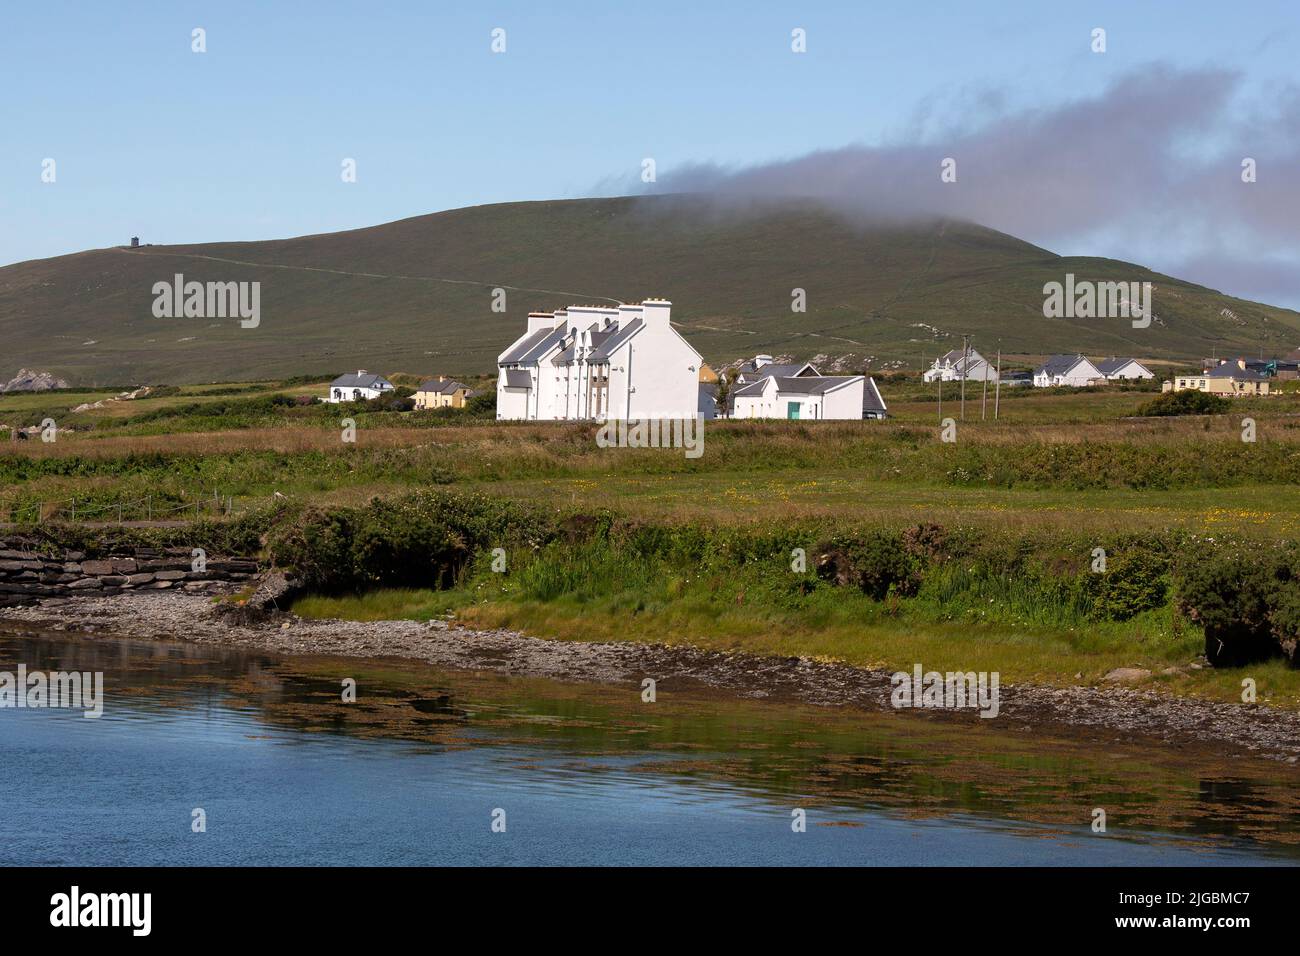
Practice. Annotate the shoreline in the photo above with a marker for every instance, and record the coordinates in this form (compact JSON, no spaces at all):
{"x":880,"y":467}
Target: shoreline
{"x":1099,"y":715}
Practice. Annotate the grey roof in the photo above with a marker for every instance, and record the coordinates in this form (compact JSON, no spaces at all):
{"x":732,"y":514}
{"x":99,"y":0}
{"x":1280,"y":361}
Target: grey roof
{"x":872,"y":400}
{"x":1058,"y":364}
{"x":776,"y":369}
{"x":707,"y":403}
{"x":813,"y":384}
{"x":612,"y":341}
{"x":1231,"y":371}
{"x":518,"y":378}
{"x":752,"y":388}
{"x":443,"y":388}
{"x":1112,"y":365}
{"x":358,"y":380}
{"x":533,"y":347}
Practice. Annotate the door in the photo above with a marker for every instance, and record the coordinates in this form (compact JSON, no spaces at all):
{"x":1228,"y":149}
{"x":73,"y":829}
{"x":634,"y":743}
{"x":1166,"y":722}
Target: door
{"x":792,"y":410}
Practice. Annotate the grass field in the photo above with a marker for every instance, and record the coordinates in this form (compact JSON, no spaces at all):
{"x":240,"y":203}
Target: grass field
{"x":1058,"y":466}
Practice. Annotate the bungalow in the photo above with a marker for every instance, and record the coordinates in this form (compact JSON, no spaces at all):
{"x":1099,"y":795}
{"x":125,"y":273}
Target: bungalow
{"x":1073,"y":370}
{"x":762,"y":366}
{"x":1227,"y":379}
{"x":441,"y":393}
{"x":358,"y":387}
{"x":1119,"y":369}
{"x":597,"y":363}
{"x":809,"y":397}
{"x":955,"y":366}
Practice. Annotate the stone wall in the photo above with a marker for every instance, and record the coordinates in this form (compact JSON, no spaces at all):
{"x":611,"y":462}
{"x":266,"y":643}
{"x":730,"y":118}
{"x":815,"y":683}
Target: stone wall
{"x":28,"y":574}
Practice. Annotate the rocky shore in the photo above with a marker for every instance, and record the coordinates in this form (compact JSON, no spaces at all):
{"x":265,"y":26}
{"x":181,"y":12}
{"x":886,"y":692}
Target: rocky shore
{"x":29,"y":575}
{"x":1103,"y":715}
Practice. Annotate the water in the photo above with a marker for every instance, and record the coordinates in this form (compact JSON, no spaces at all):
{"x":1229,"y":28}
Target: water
{"x":412,"y":773}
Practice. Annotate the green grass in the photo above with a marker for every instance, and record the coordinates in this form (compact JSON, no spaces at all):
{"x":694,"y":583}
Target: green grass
{"x":421,"y":289}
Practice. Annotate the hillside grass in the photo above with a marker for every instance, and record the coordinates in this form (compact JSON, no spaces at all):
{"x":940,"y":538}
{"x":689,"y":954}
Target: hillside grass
{"x":414,"y":294}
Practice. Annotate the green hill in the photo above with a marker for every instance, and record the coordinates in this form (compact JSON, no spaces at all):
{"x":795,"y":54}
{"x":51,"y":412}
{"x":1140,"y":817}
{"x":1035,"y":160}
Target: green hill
{"x":416,"y":295}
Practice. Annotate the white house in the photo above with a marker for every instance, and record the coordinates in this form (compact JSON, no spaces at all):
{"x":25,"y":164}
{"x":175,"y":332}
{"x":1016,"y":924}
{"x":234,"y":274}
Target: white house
{"x":358,"y":387}
{"x":1072,"y":370}
{"x":1123,"y":369}
{"x":954,"y":366}
{"x":812,"y":397}
{"x":599,"y":362}
{"x":761,"y":366}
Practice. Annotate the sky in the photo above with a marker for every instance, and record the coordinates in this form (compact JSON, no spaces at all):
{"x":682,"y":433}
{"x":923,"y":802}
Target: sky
{"x":1134,"y":152}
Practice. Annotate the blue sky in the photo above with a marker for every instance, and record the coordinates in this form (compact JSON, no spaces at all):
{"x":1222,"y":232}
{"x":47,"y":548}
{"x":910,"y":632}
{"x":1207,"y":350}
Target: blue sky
{"x":245,"y":141}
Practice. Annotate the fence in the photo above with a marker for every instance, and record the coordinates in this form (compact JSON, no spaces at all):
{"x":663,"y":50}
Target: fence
{"x":137,"y":509}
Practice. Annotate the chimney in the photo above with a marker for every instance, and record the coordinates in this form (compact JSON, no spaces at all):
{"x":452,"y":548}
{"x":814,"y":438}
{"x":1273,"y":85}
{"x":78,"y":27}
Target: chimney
{"x":761,"y":360}
{"x":442,"y":378}
{"x":655,"y":312}
{"x":540,"y":320}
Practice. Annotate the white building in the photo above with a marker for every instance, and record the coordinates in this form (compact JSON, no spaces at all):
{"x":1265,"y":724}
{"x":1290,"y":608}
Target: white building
{"x":1074,"y":370}
{"x":954,"y":366}
{"x":765,"y":389}
{"x":358,"y":386}
{"x":599,"y":362}
{"x":1123,"y":369}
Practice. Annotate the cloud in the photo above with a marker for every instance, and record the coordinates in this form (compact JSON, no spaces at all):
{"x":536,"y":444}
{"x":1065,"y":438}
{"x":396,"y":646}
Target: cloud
{"x":1149,"y":170}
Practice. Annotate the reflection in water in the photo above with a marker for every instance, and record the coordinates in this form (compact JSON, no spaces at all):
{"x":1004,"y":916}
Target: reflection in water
{"x":288,"y":772}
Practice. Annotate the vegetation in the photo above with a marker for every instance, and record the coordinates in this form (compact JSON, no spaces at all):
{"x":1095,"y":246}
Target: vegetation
{"x":891,"y":295}
{"x":1186,"y":402}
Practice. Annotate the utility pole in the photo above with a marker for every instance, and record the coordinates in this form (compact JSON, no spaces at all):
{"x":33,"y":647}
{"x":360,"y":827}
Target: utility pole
{"x":939,"y":379}
{"x":984,"y":396}
{"x":997,"y":387}
{"x":965,"y":357}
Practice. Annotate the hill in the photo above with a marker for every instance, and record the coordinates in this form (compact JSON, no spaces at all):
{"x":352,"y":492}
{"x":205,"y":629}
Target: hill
{"x":416,"y":295}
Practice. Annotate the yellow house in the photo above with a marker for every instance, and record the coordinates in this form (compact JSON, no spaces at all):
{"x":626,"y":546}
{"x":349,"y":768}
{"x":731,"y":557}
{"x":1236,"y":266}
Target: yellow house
{"x":441,"y":393}
{"x":1227,"y":380}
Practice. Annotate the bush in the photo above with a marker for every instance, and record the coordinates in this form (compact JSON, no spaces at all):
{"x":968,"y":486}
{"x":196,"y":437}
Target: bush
{"x":877,"y":563}
{"x":1185,"y":402}
{"x":1246,"y":600}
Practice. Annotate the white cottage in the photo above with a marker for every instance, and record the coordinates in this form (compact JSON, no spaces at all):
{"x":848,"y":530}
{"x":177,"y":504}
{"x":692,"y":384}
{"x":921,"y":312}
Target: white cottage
{"x":599,"y":362}
{"x":812,"y":397}
{"x":1123,"y":369}
{"x":955,"y":366}
{"x":1073,"y":370}
{"x":358,"y":386}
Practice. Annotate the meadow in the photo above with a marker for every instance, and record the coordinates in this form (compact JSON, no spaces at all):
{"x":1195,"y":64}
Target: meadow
{"x":1023,"y":501}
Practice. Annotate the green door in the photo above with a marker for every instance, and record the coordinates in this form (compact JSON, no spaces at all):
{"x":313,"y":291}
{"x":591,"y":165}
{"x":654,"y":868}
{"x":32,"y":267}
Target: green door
{"x":792,"y":410}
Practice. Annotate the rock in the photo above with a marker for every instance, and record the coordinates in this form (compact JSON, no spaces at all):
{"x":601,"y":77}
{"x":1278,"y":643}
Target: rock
{"x":85,"y":583}
{"x":29,"y":380}
{"x":169,"y":575}
{"x":142,"y":578}
{"x":124,"y":566}
{"x":1127,"y":675}
{"x":96,"y":567}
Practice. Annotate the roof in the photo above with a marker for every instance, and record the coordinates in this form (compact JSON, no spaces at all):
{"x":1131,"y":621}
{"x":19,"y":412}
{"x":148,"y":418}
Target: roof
{"x":872,"y":401}
{"x":776,"y":369}
{"x":533,"y":347}
{"x":613,"y":341}
{"x":1231,"y":371}
{"x":443,"y":388}
{"x":360,"y":380}
{"x":813,"y":384}
{"x":1060,"y":364}
{"x":1112,"y":366}
{"x":518,"y":378}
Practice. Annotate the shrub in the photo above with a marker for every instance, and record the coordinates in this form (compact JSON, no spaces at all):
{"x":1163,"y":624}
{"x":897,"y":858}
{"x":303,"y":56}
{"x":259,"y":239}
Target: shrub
{"x":1185,"y":402}
{"x":1235,"y":596}
{"x":877,"y":563}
